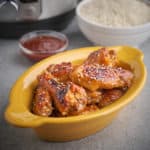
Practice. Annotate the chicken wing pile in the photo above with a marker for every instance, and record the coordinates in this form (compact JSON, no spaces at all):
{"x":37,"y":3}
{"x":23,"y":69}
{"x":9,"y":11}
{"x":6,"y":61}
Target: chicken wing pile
{"x":66,"y":89}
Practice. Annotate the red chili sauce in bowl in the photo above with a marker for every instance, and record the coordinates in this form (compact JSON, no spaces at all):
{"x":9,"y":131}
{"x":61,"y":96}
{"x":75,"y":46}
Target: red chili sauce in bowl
{"x":39,"y":46}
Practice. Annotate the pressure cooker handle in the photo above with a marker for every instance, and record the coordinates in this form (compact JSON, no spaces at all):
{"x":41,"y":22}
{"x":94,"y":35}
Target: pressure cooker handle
{"x":12,"y":2}
{"x":29,"y":9}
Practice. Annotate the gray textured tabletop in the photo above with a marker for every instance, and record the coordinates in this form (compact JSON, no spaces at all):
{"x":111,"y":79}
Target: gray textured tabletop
{"x":129,"y":131}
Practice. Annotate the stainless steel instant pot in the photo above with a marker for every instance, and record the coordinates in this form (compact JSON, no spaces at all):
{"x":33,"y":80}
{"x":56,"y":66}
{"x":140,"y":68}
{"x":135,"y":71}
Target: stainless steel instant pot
{"x":20,"y":16}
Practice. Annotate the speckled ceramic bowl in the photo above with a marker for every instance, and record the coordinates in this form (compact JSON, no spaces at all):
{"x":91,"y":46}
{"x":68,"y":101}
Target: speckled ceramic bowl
{"x":19,"y":113}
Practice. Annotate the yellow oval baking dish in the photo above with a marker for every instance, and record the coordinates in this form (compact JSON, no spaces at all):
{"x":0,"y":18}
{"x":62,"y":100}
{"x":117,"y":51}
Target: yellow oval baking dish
{"x":70,"y":128}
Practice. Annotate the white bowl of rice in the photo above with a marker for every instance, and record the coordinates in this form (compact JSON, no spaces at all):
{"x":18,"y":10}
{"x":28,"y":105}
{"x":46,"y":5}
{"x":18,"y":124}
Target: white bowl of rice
{"x":114,"y":22}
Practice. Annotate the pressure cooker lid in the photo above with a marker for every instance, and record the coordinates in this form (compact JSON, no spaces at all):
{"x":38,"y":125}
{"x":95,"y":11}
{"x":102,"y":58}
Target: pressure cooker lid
{"x":30,"y":10}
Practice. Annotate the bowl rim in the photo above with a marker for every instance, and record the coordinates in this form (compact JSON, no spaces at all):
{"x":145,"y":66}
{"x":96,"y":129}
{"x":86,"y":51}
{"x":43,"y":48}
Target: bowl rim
{"x":132,"y":28}
{"x":32,"y":120}
{"x":37,"y":33}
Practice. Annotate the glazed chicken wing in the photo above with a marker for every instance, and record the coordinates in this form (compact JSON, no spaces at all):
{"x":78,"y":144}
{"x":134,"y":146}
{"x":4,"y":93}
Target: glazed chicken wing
{"x":95,"y":76}
{"x":94,"y":97}
{"x":60,"y":71}
{"x":88,"y":109}
{"x":69,"y":98}
{"x":42,"y":102}
{"x":103,"y":57}
{"x":109,"y":96}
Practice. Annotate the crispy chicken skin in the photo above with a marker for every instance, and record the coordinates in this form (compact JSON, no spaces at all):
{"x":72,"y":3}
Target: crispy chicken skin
{"x":95,"y":76}
{"x":42,"y":102}
{"x":94,"y":97}
{"x":103,"y":57}
{"x":109,"y":96}
{"x":60,"y":71}
{"x":88,"y":109}
{"x":68,"y":97}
